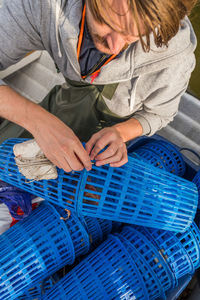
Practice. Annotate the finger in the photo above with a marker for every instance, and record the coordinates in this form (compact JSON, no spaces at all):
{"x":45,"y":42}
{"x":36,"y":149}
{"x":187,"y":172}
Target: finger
{"x":92,"y":141}
{"x":109,"y":152}
{"x":73,"y":161}
{"x":101,"y":143}
{"x":115,"y":158}
{"x":83,"y":158}
{"x":61,"y":163}
{"x":123,"y":161}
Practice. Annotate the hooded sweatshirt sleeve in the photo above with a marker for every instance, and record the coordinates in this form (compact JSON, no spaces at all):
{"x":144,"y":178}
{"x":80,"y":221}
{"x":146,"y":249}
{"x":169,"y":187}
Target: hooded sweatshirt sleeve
{"x":161,"y":93}
{"x":19,"y":30}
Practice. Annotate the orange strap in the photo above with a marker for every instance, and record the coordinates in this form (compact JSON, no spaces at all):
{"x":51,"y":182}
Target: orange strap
{"x":80,"y":40}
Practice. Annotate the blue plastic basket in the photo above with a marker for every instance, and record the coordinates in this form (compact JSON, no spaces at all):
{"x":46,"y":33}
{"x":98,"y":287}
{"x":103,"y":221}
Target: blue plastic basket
{"x":106,"y":227}
{"x":170,"y":247}
{"x":190,"y":239}
{"x":32,"y":250}
{"x":107,"y":273}
{"x":78,"y":233}
{"x":38,"y":290}
{"x":152,"y":256}
{"x":196,"y":180}
{"x":163,"y":155}
{"x":94,"y":230}
{"x":139,"y":194}
{"x":150,"y":157}
{"x":116,"y":226}
{"x":152,"y":283}
{"x":135,"y":193}
{"x":62,"y":191}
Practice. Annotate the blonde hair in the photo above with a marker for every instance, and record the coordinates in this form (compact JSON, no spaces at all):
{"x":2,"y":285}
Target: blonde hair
{"x":161,"y":17}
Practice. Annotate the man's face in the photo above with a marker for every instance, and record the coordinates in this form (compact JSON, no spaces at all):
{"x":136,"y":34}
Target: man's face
{"x":108,"y":40}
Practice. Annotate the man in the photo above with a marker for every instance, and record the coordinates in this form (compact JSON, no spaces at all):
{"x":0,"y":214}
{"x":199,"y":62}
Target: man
{"x":126,"y":65}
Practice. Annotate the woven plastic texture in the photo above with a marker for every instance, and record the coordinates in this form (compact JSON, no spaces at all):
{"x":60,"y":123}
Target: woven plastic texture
{"x":140,"y":194}
{"x":196,"y":180}
{"x":78,"y":234}
{"x":152,"y":256}
{"x":164,"y":153}
{"x":171,"y":249}
{"x":190,"y":239}
{"x":116,"y":226}
{"x":135,"y":193}
{"x":107,"y":273}
{"x":153,"y":286}
{"x":33,"y":249}
{"x":61,"y":191}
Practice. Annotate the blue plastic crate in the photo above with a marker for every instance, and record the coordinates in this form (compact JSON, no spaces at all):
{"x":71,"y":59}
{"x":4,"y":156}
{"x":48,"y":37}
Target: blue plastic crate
{"x":170,"y":247}
{"x":135,"y":193}
{"x":152,"y":256}
{"x":32,"y":250}
{"x":152,"y":283}
{"x":107,"y":273}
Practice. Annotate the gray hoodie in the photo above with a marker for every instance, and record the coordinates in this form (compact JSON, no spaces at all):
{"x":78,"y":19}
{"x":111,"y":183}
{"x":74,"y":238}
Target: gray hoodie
{"x":150,"y":84}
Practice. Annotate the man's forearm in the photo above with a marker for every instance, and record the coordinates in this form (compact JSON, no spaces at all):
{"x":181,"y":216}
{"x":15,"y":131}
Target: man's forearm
{"x":20,"y":110}
{"x":129,"y":129}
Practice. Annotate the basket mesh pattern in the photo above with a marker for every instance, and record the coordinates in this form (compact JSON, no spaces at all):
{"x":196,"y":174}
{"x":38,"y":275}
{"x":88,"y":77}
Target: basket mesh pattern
{"x":152,"y":283}
{"x":171,"y":249}
{"x":152,"y":256}
{"x":33,"y":249}
{"x":107,"y":273}
{"x":196,"y":180}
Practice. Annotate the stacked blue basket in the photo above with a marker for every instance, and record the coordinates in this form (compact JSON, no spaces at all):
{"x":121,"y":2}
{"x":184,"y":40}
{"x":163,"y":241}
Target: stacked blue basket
{"x":107,"y":273}
{"x":172,"y":250}
{"x":163,"y":155}
{"x":152,"y":257}
{"x":37,"y":247}
{"x":196,"y":180}
{"x":40,"y":289}
{"x":135,"y":193}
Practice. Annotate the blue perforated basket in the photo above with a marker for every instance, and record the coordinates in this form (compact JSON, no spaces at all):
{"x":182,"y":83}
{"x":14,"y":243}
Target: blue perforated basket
{"x":152,"y":283}
{"x":106,"y":227}
{"x":150,"y":157}
{"x":33,"y":249}
{"x":135,"y":193}
{"x":38,"y":290}
{"x":107,"y":273}
{"x":164,"y":155}
{"x":151,"y":255}
{"x":196,"y":180}
{"x":190,"y":239}
{"x":94,"y":230}
{"x":140,"y":194}
{"x":62,"y":191}
{"x":170,"y":247}
{"x":78,"y":233}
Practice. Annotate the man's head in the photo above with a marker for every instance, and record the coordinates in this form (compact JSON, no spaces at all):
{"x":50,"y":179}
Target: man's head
{"x":114,"y":24}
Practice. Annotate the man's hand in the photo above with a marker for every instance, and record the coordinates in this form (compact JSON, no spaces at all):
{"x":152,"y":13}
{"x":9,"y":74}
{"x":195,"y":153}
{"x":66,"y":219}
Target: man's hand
{"x":60,"y":145}
{"x":115,"y":153}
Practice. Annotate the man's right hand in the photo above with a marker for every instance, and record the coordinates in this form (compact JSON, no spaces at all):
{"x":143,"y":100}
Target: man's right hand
{"x":58,"y":142}
{"x":60,"y":145}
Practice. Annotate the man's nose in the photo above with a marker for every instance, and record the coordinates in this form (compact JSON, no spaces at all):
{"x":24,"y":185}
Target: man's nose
{"x":115,"y":42}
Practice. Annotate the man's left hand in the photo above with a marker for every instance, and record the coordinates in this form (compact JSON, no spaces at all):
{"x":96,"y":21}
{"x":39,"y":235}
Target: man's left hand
{"x":115,"y":154}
